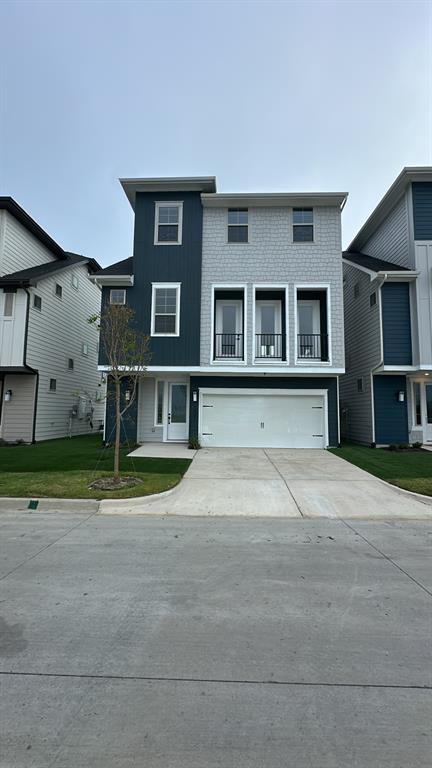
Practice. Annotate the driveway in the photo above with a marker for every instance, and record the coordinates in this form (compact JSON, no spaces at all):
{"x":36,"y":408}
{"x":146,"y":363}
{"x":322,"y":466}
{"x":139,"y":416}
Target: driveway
{"x":184,"y":643}
{"x":277,"y":483}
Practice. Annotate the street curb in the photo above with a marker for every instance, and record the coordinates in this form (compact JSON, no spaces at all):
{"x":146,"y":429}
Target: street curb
{"x":21,"y":504}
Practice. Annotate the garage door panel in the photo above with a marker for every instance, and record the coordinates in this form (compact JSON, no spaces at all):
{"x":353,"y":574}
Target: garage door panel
{"x":272,"y":421}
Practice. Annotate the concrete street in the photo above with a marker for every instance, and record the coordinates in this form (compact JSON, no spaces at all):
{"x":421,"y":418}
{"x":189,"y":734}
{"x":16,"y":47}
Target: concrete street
{"x":174,"y":642}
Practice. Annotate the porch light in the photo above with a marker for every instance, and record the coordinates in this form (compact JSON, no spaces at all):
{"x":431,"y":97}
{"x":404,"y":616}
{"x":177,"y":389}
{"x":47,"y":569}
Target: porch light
{"x":8,"y":395}
{"x":195,"y":396}
{"x":401,"y":396}
{"x":127,"y":395}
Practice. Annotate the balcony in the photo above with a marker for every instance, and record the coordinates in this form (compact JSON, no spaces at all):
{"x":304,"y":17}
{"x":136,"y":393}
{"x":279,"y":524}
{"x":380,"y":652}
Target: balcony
{"x":228,"y":346}
{"x":312,"y":346}
{"x":268,"y":346}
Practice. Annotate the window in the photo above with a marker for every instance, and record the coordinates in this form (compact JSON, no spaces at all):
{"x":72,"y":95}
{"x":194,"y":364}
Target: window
{"x":356,"y":290}
{"x":165,"y":309}
{"x":118,"y":296}
{"x":360,"y":385}
{"x":37,"y":302}
{"x":417,"y":404}
{"x":74,"y":282}
{"x":8,"y":304}
{"x":160,"y":386}
{"x":70,"y":364}
{"x":84,"y":349}
{"x":373,"y":299}
{"x":53,"y":385}
{"x":303,"y":231}
{"x":168,"y":223}
{"x":238,"y":225}
{"x":58,"y":291}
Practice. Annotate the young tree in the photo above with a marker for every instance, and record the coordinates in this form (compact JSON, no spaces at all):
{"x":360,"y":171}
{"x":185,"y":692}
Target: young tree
{"x":126,"y":351}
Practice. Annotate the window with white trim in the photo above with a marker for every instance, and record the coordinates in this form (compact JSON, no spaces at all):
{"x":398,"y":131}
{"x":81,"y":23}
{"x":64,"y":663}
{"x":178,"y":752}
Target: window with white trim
{"x":159,"y":403}
{"x":303,"y":225}
{"x":118,"y":296}
{"x":165,"y":309}
{"x":70,"y":364}
{"x":74,"y":282}
{"x":58,"y":291}
{"x":8,"y":305}
{"x":37,"y":302}
{"x":238,"y":225}
{"x":168,"y":223}
{"x":53,"y":385}
{"x":84,"y":349}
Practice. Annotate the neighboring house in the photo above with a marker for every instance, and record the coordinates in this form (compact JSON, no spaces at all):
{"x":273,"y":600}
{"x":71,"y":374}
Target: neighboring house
{"x":386,"y":394}
{"x":242,"y":298}
{"x":50,"y":385}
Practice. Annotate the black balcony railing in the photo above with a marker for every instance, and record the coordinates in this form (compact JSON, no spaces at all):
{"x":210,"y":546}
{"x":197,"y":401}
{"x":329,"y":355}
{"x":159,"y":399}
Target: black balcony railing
{"x":228,"y":345}
{"x":312,"y":346}
{"x":268,"y":346}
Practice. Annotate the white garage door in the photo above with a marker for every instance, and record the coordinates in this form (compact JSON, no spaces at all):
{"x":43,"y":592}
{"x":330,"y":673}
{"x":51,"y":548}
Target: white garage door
{"x":274,"y":420}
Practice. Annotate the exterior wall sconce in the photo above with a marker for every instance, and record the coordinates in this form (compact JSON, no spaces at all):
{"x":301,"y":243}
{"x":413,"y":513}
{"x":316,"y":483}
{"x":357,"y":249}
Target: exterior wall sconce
{"x":8,"y":395}
{"x":401,"y":396}
{"x":195,"y":397}
{"x":127,"y":395}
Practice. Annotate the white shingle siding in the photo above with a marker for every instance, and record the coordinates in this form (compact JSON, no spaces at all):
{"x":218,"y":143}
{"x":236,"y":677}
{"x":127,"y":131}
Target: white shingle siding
{"x":57,"y":333}
{"x":363,"y":353}
{"x":19,"y":249}
{"x":390,"y":241}
{"x":270,"y":257}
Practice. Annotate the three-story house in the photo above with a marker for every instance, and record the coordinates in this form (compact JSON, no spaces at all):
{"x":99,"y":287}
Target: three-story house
{"x":386,"y":394}
{"x":241,"y":295}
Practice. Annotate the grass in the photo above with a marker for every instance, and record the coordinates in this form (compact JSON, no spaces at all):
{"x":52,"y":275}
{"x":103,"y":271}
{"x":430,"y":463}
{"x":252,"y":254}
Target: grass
{"x":409,"y":469}
{"x":65,"y":468}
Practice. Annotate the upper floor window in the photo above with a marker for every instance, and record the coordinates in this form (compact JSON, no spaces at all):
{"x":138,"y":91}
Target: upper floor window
{"x":70,"y":363}
{"x":58,"y":291}
{"x":118,"y":296}
{"x":8,"y":304}
{"x":37,"y":301}
{"x":165,"y":316}
{"x":84,"y":349}
{"x":238,"y":225}
{"x":303,"y":225}
{"x":356,"y":290}
{"x":168,"y":223}
{"x":373,"y":299}
{"x":53,"y":385}
{"x":74,"y":282}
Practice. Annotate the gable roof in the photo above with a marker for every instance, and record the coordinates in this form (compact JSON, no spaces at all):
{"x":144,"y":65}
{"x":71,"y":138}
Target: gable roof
{"x":388,"y":202}
{"x":10,"y":205}
{"x":372,"y":264}
{"x":124,"y":267}
{"x":31,"y":276}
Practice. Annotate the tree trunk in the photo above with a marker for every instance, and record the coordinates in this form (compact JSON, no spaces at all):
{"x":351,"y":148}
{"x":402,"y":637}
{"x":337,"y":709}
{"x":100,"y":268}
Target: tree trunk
{"x":117,"y":433}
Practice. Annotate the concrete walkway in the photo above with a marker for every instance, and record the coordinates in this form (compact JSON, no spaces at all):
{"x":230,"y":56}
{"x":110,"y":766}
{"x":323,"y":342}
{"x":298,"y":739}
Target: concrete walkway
{"x":276,"y":483}
{"x":163,"y":451}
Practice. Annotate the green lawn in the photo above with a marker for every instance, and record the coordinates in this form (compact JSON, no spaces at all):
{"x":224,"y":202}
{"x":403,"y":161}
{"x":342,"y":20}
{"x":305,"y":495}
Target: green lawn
{"x":64,"y":468}
{"x":407,"y":469}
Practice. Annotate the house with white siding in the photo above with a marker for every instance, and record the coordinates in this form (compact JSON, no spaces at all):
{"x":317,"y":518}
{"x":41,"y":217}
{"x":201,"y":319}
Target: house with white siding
{"x":49,"y":381}
{"x":386,"y":393}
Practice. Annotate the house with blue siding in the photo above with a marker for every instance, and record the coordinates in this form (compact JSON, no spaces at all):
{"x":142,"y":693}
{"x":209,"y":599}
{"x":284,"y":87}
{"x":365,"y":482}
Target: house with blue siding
{"x":386,"y":392}
{"x":241,"y":296}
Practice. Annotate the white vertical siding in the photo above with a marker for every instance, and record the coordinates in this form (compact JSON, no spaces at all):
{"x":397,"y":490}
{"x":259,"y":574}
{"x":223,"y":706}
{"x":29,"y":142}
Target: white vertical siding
{"x":423,"y":288}
{"x":21,"y":249}
{"x":17,"y":414}
{"x":363,"y":353}
{"x":12,"y":330}
{"x":57,"y":333}
{"x":390,"y":241}
{"x":146,"y":430}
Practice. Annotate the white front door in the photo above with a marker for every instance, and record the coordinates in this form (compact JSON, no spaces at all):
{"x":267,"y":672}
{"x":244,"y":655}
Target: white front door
{"x":428,"y":412}
{"x":178,"y":412}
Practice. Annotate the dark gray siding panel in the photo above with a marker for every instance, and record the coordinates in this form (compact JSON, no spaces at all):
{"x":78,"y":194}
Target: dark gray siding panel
{"x":251,"y":382}
{"x":391,"y":416}
{"x":396,"y":320}
{"x":422,"y":209}
{"x":129,"y":423}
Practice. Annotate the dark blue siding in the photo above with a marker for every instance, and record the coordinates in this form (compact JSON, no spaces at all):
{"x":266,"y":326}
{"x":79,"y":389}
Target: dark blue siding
{"x":129,"y":424}
{"x":396,"y":324}
{"x":251,"y":382}
{"x":391,"y":416}
{"x":422,"y":209}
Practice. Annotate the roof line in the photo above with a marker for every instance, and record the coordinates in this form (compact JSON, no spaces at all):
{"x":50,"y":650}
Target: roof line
{"x":10,"y":205}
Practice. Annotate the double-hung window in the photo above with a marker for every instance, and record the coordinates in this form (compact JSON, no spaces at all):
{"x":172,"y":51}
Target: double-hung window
{"x":165,"y":309}
{"x":168,"y":224}
{"x":303,"y":225}
{"x":118,"y":296}
{"x":238,"y":225}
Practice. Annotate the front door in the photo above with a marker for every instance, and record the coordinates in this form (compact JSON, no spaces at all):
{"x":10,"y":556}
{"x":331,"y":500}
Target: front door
{"x":428,"y":412}
{"x":178,"y":427}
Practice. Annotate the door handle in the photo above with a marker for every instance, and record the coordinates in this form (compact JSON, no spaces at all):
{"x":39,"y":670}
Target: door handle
{"x":169,"y":418}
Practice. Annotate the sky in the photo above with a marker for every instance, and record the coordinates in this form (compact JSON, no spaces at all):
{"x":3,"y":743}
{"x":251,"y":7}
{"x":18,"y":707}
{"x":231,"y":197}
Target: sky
{"x":266,"y":96}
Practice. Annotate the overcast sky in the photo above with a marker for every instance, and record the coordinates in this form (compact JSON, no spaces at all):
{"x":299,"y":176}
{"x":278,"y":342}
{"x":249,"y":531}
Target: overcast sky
{"x":267,"y":96}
